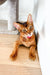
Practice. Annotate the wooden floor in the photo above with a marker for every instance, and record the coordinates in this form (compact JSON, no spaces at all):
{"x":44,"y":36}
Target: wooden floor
{"x":6,"y":47}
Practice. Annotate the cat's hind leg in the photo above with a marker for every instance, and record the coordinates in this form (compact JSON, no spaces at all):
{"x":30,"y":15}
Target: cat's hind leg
{"x":32,"y":52}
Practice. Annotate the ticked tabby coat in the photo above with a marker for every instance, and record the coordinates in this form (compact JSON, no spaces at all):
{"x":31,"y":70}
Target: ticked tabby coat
{"x":27,"y":37}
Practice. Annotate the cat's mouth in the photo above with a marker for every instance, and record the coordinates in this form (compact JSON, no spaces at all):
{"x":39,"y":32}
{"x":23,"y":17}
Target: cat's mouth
{"x":28,"y":35}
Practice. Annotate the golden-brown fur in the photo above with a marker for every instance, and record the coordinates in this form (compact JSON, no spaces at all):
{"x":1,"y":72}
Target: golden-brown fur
{"x":27,"y":38}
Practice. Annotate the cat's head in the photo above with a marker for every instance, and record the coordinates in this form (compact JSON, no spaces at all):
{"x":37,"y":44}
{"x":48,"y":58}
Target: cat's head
{"x":26,"y":27}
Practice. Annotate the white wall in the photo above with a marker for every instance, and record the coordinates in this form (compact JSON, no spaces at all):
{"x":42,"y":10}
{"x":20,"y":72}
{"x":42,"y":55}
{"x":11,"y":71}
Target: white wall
{"x":4,"y":11}
{"x":25,"y":7}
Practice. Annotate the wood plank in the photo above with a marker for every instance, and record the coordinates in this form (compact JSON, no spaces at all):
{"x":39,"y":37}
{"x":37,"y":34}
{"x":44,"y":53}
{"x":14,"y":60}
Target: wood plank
{"x":6,"y":47}
{"x":22,"y":65}
{"x":18,"y":70}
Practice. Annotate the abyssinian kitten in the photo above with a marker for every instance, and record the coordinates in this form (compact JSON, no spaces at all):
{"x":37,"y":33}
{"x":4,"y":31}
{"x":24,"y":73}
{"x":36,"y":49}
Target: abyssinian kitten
{"x":27,"y":37}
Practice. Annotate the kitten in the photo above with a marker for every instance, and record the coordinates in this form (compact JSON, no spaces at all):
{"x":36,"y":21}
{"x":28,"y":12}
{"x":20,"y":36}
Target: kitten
{"x":27,"y":37}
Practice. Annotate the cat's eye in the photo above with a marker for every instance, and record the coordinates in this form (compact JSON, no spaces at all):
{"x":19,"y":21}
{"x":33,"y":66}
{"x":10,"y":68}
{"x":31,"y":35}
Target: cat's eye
{"x":24,"y":30}
{"x":30,"y":27}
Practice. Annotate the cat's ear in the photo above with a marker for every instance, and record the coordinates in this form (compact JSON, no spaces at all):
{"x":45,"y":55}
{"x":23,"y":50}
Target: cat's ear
{"x":29,"y":19}
{"x":17,"y":26}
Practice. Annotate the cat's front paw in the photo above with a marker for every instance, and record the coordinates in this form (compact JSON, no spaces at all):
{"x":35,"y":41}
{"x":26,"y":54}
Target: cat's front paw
{"x":32,"y":57}
{"x":13,"y":55}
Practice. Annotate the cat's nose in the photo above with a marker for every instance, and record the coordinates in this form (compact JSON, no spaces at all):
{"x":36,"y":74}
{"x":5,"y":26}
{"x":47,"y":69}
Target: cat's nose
{"x":29,"y":32}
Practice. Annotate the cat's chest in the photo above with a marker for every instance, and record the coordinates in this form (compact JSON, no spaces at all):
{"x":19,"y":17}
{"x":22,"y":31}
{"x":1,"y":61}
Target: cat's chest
{"x":27,"y":41}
